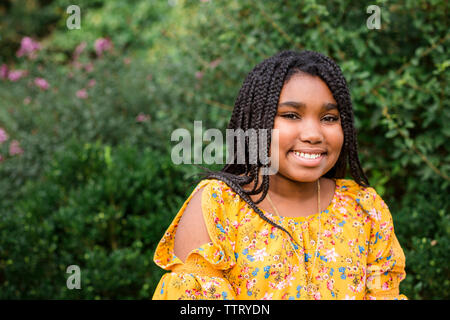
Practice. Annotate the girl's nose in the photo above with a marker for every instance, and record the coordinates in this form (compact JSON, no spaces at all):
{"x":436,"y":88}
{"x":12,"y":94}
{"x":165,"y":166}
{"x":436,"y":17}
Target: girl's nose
{"x":310,"y":131}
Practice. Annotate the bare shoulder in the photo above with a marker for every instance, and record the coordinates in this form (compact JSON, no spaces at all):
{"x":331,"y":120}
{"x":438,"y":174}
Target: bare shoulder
{"x":191,"y":232}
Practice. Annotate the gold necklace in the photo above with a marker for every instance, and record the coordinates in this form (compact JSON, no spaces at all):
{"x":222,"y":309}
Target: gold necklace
{"x":310,"y":288}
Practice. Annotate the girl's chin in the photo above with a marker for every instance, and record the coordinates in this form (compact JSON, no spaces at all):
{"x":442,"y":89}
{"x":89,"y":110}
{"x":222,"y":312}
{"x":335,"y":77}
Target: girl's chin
{"x":297,"y":176}
{"x":294,"y":170}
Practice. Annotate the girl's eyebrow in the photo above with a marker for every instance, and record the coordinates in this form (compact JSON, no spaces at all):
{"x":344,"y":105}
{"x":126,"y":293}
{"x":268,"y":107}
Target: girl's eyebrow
{"x":300,"y":105}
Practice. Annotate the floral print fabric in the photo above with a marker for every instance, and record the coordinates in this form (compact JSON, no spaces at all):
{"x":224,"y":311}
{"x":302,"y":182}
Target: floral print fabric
{"x":358,"y":255}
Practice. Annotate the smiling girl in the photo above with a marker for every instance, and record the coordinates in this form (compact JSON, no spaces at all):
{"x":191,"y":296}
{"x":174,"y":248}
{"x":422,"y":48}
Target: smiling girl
{"x":305,"y":232}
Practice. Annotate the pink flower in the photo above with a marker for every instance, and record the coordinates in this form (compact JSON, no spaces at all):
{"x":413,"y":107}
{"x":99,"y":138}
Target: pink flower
{"x":101,"y":45}
{"x":250,"y":283}
{"x":142,"y":117}
{"x":27,"y":100}
{"x":374,"y":214}
{"x":91,"y":83}
{"x":89,"y":67}
{"x":14,"y":148}
{"x":4,"y":70}
{"x":82,"y":94}
{"x":15,"y":75}
{"x":41,"y":83}
{"x":330,"y":285}
{"x":28,"y":47}
{"x":3,"y":135}
{"x":267,"y":296}
{"x":215,"y":63}
{"x":199,"y":75}
{"x":78,"y":50}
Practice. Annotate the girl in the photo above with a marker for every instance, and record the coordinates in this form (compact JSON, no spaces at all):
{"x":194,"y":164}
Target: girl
{"x":304,"y":232}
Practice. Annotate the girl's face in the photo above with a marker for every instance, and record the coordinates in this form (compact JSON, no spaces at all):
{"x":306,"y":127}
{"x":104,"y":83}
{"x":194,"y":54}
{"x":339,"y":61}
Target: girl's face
{"x":309,"y":128}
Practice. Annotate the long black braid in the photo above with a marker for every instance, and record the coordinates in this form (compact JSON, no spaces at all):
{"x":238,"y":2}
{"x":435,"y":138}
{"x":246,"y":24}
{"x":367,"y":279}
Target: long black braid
{"x":256,"y":106}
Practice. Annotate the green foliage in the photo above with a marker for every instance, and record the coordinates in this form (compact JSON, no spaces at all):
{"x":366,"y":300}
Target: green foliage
{"x":99,"y":207}
{"x":422,"y":225}
{"x":186,"y":62}
{"x":130,"y":24}
{"x":40,"y":17}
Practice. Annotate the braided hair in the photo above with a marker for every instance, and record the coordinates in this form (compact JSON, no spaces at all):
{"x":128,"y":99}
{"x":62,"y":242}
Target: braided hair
{"x":256,"y":106}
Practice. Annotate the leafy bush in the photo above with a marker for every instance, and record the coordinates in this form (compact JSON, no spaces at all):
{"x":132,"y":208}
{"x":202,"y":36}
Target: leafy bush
{"x":98,"y":207}
{"x":422,"y":224}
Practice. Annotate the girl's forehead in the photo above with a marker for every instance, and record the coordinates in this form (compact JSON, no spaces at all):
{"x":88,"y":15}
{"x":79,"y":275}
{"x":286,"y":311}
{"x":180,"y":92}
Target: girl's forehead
{"x":307,"y":90}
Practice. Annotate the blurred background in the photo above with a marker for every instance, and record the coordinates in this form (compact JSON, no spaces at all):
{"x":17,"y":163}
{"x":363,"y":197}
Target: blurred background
{"x":86,"y":116}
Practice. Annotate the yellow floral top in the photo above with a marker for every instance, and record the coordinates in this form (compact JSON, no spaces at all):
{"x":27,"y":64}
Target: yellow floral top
{"x":358,"y":255}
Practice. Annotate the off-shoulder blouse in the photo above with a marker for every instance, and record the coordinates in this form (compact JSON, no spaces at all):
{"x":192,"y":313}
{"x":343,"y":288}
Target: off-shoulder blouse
{"x":358,"y":255}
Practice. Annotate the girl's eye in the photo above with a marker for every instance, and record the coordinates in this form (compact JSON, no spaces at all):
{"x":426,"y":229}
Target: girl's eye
{"x":293,"y":116}
{"x":290,"y":116}
{"x":331,"y":119}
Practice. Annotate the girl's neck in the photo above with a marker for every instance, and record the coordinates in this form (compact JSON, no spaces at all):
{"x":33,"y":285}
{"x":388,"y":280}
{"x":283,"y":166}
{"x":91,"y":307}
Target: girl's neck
{"x":289,"y":190}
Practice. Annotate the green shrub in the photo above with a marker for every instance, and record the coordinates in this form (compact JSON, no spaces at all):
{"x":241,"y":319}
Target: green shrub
{"x":422,"y":226}
{"x":101,"y":208}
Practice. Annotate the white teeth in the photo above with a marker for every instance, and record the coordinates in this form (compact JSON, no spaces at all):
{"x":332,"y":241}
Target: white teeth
{"x":307,"y":155}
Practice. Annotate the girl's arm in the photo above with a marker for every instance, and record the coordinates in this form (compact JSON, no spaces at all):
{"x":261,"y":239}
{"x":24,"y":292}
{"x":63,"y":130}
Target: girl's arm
{"x":385,"y":260}
{"x":191,"y":231}
{"x":199,"y":255}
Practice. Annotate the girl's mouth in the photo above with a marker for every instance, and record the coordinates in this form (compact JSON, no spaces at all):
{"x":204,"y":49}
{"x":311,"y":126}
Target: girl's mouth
{"x":307,"y":159}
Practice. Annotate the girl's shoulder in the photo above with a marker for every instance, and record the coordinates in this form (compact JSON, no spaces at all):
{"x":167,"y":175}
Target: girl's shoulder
{"x":351,"y":188}
{"x":366,"y":199}
{"x":217,"y":192}
{"x":216,"y":186}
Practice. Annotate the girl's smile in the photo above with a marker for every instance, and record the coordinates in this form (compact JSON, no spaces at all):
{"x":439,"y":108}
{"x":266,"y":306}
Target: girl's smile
{"x":308,"y":158}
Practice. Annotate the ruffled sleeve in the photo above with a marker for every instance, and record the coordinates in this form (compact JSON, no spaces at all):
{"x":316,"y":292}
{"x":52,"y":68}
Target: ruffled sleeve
{"x":203,"y":274}
{"x":385,"y":260}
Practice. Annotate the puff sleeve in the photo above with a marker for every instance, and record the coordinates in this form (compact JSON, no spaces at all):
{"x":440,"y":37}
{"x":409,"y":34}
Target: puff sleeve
{"x":203,"y":274}
{"x":385,"y":260}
